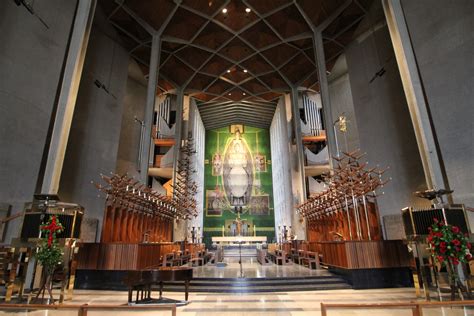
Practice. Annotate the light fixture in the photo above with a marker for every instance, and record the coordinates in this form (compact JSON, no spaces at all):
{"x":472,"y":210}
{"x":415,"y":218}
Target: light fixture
{"x":228,"y":70}
{"x":243,"y":93}
{"x":247,"y":10}
{"x":230,"y":93}
{"x":224,"y":10}
{"x":245,"y":70}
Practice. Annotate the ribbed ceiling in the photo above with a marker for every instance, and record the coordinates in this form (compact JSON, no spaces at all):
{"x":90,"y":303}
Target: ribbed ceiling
{"x":236,"y":64}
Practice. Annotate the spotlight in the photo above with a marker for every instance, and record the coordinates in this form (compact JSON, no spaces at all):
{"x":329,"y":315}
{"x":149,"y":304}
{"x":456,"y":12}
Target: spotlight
{"x":224,"y":10}
{"x":243,"y":93}
{"x":247,"y":10}
{"x":228,"y":71}
{"x":230,"y":93}
{"x":245,"y":70}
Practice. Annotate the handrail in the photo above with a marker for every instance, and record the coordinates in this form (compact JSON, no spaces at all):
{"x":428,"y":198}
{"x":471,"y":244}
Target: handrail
{"x":416,"y":307}
{"x":84,"y":308}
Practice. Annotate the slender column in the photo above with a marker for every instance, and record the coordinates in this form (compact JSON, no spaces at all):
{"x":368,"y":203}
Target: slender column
{"x":178,"y":132}
{"x":324,"y":87}
{"x":68,"y":94}
{"x":286,"y":162}
{"x":414,"y":93}
{"x":299,"y":141}
{"x":150,"y":107}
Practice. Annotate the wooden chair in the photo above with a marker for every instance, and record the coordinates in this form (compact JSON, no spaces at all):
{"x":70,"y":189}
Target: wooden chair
{"x":13,"y":269}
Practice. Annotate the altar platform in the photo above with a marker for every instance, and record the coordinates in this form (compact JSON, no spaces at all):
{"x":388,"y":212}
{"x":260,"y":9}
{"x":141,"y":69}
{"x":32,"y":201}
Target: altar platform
{"x":237,"y":239}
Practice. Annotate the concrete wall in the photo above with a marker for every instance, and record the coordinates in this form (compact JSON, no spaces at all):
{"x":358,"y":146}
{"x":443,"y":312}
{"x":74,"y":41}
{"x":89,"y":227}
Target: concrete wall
{"x":31,"y":59}
{"x":133,"y":107}
{"x":442,"y":34}
{"x":95,"y":133}
{"x":340,"y":95}
{"x":383,"y":121}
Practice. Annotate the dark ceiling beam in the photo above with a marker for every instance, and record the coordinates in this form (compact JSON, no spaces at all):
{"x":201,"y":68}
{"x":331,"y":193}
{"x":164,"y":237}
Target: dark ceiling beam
{"x":230,"y":122}
{"x":258,"y":108}
{"x":264,"y":20}
{"x":236,"y":34}
{"x":266,"y":103}
{"x":216,"y":77}
{"x":322,"y":26}
{"x":306,"y":77}
{"x":259,"y":51}
{"x":237,"y":114}
{"x":230,"y":112}
{"x":348,"y":27}
{"x":137,"y":19}
{"x":224,"y":44}
{"x":235,"y":118}
{"x":263,"y":113}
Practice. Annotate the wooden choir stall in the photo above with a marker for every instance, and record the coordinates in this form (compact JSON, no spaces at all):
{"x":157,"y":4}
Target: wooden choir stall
{"x":136,"y":241}
{"x":343,"y":228}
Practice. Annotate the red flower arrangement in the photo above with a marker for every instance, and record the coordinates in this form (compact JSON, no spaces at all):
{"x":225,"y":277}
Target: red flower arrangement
{"x":448,"y":244}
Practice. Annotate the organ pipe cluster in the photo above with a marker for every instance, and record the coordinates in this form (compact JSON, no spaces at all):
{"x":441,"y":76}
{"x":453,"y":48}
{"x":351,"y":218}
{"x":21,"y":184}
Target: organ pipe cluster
{"x":348,"y":187}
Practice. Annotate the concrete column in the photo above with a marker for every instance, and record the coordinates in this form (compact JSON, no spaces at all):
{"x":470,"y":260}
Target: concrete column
{"x":414,"y":93}
{"x":150,"y":107}
{"x":299,"y":143}
{"x":324,"y":90}
{"x":179,"y":231}
{"x":68,"y":94}
{"x":178,"y":133}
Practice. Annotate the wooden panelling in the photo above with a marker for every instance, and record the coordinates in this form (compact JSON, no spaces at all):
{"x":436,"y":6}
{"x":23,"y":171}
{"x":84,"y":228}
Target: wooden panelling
{"x":123,"y":225}
{"x":363,"y":254}
{"x":324,"y":228}
{"x":122,"y":256}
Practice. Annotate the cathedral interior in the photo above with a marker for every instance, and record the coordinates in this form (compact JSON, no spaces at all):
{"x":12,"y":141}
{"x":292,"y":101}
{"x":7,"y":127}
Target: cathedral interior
{"x":303,"y":157}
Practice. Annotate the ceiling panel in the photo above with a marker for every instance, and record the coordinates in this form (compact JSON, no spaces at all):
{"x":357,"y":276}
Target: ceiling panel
{"x":266,"y":45}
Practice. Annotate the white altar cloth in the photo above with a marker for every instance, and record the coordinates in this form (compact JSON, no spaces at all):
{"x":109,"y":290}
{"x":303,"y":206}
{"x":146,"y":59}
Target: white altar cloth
{"x":240,"y":239}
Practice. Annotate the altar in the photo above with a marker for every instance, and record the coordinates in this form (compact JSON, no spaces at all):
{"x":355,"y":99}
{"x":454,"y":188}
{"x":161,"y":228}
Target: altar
{"x":237,"y":239}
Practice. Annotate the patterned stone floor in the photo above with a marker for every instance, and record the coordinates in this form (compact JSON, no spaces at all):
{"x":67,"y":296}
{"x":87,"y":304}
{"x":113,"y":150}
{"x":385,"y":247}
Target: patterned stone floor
{"x":284,"y":304}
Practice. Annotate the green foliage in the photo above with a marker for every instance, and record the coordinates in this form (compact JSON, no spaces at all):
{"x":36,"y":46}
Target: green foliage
{"x":49,"y":253}
{"x":448,"y":244}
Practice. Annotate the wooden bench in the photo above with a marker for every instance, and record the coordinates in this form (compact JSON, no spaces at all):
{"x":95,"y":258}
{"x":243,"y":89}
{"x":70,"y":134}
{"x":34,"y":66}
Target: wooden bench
{"x":262,"y":257}
{"x":168,"y":260}
{"x":281,"y":258}
{"x":216,"y":256}
{"x":311,"y":259}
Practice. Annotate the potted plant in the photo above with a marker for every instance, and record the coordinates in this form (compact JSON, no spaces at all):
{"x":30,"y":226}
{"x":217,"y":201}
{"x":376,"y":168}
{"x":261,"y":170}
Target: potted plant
{"x":49,"y":254}
{"x":449,"y":247}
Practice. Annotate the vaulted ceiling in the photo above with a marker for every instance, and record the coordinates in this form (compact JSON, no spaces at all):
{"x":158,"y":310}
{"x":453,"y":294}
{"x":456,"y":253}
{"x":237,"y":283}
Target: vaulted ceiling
{"x":235,"y":57}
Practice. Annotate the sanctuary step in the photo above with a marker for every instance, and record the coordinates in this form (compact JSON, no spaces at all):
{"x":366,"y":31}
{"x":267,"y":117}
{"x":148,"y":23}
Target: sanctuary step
{"x":249,"y":285}
{"x":245,"y":250}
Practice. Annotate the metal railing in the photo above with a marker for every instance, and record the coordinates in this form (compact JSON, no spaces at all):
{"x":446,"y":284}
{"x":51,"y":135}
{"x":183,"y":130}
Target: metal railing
{"x":84,"y":308}
{"x":416,"y":307}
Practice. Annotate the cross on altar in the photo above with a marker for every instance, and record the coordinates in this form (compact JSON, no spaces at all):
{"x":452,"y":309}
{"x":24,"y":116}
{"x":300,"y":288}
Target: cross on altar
{"x":51,"y":229}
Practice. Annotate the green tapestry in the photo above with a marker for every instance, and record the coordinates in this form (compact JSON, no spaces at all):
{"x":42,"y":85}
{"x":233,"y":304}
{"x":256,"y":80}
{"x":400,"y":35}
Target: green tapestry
{"x":238,"y":179}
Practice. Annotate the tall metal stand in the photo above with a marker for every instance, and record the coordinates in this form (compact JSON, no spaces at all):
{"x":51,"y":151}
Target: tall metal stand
{"x":240,"y":260}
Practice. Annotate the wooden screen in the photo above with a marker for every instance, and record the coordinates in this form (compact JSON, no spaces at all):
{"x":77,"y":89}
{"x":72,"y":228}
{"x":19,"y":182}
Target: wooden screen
{"x":124,"y":225}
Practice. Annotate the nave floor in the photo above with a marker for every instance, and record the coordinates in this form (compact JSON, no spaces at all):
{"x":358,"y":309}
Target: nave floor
{"x":262,"y":304}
